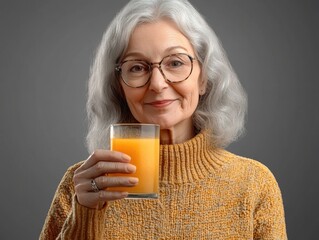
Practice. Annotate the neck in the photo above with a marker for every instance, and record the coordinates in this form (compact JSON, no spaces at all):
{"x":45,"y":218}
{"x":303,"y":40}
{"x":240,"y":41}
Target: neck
{"x":191,"y":160}
{"x":171,"y":136}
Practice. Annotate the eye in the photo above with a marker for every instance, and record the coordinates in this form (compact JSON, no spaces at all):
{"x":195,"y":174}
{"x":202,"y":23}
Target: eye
{"x":176,"y":63}
{"x":138,"y":68}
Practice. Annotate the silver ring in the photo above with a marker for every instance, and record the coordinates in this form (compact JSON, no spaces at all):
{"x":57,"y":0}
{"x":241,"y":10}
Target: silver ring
{"x":94,"y":187}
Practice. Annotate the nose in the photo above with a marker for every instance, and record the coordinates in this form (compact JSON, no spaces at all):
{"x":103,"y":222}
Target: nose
{"x":157,"y":79}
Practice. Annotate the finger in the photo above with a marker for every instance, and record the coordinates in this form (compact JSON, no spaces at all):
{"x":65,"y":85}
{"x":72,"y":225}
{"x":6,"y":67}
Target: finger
{"x":104,"y":155}
{"x":102,"y":168}
{"x":106,"y":196}
{"x":93,"y":199}
{"x":104,"y":182}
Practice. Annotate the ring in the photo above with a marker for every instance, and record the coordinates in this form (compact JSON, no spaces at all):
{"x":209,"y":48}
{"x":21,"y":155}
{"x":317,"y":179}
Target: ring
{"x":94,"y":187}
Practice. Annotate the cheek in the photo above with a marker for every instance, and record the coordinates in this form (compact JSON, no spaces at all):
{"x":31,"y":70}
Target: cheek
{"x":194,"y":100}
{"x":133,"y":98}
{"x":190,"y":101}
{"x":194,"y":96}
{"x":191,"y":94}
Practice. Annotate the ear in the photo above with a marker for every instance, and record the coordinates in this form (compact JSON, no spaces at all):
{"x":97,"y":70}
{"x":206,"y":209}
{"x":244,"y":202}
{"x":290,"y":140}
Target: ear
{"x":202,"y":86}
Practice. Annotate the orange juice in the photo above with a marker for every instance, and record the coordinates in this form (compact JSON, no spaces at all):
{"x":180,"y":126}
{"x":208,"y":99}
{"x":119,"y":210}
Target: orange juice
{"x":144,"y":153}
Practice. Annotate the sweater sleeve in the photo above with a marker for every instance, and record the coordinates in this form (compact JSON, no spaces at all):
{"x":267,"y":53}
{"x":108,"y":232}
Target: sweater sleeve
{"x":67,"y":219}
{"x":269,"y":219}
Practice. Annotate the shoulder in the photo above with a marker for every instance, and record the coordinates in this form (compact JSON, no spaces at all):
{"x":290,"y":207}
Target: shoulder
{"x":250,"y":170}
{"x":250,"y":164}
{"x":252,"y":181}
{"x":68,"y":175}
{"x":72,"y":168}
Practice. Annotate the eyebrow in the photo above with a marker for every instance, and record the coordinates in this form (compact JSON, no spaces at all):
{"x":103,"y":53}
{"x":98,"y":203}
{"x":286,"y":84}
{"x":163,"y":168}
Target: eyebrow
{"x":140,"y":54}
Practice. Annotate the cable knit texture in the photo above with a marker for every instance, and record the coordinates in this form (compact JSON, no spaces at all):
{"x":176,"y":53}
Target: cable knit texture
{"x":205,"y":193}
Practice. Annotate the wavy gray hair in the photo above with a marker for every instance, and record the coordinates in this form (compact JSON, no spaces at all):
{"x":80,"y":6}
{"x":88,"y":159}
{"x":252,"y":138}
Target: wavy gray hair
{"x":221,"y":109}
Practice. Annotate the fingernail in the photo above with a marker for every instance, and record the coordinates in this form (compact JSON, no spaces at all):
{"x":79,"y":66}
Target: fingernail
{"x":126,"y":157}
{"x":131,"y":168}
{"x":124,"y":194}
{"x":133,"y":180}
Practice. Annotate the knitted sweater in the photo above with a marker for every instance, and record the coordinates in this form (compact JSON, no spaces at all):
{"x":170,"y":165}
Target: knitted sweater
{"x":205,"y":193}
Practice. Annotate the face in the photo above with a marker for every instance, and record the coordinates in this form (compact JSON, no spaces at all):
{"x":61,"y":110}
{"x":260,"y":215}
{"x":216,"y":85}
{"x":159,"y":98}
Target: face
{"x":170,"y":105}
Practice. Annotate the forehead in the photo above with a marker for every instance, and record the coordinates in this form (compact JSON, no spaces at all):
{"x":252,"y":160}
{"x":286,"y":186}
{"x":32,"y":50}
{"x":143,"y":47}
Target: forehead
{"x":158,"y":38}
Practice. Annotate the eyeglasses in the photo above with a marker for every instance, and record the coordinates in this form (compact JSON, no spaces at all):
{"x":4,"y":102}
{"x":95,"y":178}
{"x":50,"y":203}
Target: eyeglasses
{"x":137,"y":73}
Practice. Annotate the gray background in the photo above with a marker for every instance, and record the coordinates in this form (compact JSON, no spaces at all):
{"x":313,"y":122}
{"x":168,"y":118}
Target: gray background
{"x":46,"y":51}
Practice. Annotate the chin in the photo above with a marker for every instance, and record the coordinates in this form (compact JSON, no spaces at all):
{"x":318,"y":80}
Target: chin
{"x":163,"y":124}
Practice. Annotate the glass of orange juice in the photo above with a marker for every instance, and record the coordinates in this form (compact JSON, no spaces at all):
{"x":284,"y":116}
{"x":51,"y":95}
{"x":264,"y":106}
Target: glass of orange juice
{"x":141,"y":143}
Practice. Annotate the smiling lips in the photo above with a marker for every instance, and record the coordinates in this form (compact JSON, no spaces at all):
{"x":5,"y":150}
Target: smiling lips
{"x":161,"y":103}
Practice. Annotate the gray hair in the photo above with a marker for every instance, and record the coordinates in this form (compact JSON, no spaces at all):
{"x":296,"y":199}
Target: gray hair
{"x":221,"y":110}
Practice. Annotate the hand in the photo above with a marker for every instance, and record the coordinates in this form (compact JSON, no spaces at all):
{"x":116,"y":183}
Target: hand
{"x":96,"y":167}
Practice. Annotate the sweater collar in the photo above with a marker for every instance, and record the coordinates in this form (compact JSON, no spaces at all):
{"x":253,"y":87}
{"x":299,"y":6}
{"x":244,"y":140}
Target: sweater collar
{"x":190,"y":161}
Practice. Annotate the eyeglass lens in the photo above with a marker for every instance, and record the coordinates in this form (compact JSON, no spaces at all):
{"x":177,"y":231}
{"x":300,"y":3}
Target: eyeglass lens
{"x":175,"y":68}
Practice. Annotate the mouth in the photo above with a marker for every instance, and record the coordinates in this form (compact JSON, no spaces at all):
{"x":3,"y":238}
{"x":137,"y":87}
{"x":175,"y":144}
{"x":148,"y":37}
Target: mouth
{"x":160,"y":103}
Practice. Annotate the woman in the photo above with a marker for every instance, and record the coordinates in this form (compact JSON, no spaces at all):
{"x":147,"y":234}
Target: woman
{"x":159,"y":62}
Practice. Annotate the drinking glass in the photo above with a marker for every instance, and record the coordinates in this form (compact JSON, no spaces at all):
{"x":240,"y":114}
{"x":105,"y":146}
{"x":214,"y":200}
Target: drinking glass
{"x":141,"y":143}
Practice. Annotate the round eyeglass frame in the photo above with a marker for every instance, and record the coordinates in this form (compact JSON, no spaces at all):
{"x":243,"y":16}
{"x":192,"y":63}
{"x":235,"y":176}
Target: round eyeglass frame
{"x":151,"y":66}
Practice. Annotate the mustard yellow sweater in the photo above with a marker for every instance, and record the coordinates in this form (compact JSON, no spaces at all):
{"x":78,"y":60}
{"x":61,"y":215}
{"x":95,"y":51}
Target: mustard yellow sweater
{"x":205,"y":193}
